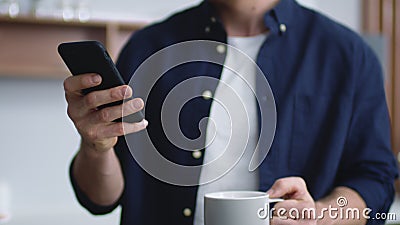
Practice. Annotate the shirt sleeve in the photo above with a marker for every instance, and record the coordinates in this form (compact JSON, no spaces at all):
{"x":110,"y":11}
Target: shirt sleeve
{"x":84,"y":200}
{"x":368,"y":165}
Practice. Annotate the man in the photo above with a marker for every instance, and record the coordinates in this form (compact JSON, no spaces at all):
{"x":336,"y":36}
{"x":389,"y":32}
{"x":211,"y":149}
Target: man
{"x":332,"y":134}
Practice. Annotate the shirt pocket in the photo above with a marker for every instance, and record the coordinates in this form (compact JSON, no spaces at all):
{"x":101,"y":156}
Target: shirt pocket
{"x":319,"y":130}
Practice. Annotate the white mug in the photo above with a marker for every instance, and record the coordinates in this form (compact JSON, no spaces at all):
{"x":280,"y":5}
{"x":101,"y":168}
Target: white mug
{"x":237,"y":208}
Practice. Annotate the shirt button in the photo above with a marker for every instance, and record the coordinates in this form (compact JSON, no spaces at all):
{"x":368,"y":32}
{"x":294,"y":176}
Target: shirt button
{"x":213,"y":20}
{"x":207,"y":94}
{"x":283,"y":28}
{"x":221,"y":49}
{"x":197,"y":154}
{"x":207,"y":29}
{"x":187,"y":212}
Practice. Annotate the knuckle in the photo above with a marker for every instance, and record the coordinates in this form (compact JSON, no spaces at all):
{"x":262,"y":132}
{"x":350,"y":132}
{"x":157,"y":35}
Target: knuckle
{"x":301,"y":181}
{"x":104,"y":115}
{"x":91,"y":133}
{"x":119,"y":129}
{"x":280,"y":182}
{"x":90,"y":100}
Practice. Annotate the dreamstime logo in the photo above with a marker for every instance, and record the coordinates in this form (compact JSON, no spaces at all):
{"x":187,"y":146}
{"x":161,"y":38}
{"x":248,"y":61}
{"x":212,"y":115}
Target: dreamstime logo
{"x":342,"y":202}
{"x":150,"y":73}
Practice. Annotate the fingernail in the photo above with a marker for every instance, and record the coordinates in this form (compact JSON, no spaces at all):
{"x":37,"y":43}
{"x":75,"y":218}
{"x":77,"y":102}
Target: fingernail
{"x":126,"y":92}
{"x":137,"y":104}
{"x":123,"y":91}
{"x":145,"y":122}
{"x":270,"y":192}
{"x":96,"y":79}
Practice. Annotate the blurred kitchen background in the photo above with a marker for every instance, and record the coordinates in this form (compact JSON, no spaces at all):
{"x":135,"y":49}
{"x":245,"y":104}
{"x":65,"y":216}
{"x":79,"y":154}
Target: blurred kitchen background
{"x":38,"y":141}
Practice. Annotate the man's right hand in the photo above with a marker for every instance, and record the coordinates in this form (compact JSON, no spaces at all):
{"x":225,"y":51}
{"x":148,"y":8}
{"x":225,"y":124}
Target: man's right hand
{"x":96,"y":126}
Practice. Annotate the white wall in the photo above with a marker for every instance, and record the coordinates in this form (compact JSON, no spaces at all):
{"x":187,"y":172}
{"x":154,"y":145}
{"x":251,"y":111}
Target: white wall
{"x":138,"y":9}
{"x":37,"y":140}
{"x":37,"y":143}
{"x":347,"y":12}
{"x":116,"y":9}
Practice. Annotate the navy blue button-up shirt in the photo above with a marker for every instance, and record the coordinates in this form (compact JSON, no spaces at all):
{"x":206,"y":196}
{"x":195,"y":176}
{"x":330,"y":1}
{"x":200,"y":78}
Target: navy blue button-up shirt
{"x":332,"y":120}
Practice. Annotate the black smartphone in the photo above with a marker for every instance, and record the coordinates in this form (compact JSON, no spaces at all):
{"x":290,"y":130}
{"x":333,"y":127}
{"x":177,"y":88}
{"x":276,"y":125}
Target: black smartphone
{"x":92,"y":57}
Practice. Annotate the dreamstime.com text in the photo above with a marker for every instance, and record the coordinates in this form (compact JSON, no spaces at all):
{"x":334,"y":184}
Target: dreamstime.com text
{"x":339,"y":212}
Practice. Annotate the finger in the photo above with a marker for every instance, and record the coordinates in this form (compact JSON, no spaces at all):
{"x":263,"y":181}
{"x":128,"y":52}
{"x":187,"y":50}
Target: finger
{"x":78,"y":83}
{"x":120,"y":129}
{"x":98,"y":98}
{"x":279,"y":221}
{"x":130,"y":128}
{"x":291,"y":187}
{"x":109,"y":114}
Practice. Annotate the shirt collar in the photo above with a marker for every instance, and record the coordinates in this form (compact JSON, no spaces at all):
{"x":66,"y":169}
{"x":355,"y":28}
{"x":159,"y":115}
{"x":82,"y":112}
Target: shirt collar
{"x":278,"y":19}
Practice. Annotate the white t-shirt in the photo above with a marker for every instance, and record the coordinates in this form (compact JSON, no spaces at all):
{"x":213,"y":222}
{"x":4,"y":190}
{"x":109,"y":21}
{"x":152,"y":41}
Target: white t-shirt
{"x":219,"y":129}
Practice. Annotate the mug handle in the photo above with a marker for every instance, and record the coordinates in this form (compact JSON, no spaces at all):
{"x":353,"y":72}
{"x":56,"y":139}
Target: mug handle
{"x":263,"y":213}
{"x":274,"y":200}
